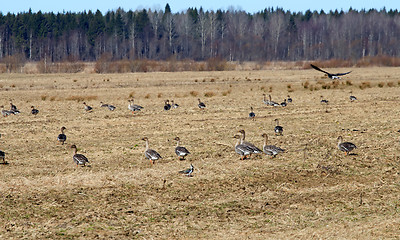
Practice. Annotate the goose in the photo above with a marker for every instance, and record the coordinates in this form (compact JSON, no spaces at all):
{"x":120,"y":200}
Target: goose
{"x":79,"y":159}
{"x":265,"y":101}
{"x":167,"y":106}
{"x":109,"y":106}
{"x":103,"y":104}
{"x":180,"y":151}
{"x":201,"y":104}
{"x":284,"y":104}
{"x":134,"y":107}
{"x":13,"y":109}
{"x":62,"y":137}
{"x":272,"y":103}
{"x":174,"y":105}
{"x":3,"y":155}
{"x":324,"y":100}
{"x":4,"y":112}
{"x":252,"y":115}
{"x":34,"y":111}
{"x":242,"y":149}
{"x":352,"y":98}
{"x":253,"y":148}
{"x":345,"y":147}
{"x":188,"y":172}
{"x":278,"y":129}
{"x":289,"y":99}
{"x":270,"y":149}
{"x":330,"y":75}
{"x":87,"y":107}
{"x":150,"y":153}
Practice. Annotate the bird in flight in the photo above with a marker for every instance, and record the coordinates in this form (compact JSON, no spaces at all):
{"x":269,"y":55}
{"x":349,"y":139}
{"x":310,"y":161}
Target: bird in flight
{"x":330,"y":75}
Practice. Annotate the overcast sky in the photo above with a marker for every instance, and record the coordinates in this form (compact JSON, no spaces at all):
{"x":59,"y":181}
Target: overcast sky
{"x":16,"y":6}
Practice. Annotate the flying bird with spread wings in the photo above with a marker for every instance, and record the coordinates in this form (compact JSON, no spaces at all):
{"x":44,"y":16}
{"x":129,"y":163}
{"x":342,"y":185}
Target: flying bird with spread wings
{"x":330,"y":75}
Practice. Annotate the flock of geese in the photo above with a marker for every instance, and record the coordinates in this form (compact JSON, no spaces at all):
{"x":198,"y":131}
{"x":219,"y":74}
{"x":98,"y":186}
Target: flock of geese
{"x":82,"y":160}
{"x":243,"y":148}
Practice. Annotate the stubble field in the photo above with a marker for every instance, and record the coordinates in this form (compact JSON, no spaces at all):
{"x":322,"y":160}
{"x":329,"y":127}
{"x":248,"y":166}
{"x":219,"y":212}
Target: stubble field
{"x":312,"y":191}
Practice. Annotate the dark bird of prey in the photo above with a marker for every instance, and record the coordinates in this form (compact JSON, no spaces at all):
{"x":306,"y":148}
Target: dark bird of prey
{"x":330,"y":75}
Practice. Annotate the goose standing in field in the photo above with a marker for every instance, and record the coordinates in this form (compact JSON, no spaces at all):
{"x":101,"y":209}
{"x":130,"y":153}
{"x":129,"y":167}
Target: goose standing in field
{"x":345,"y":147}
{"x":173,"y":104}
{"x":87,"y":107}
{"x":3,"y":155}
{"x":167,"y":106}
{"x":134,"y":107}
{"x":284,"y":104}
{"x":242,"y":149}
{"x":278,"y":129}
{"x":62,"y":137}
{"x":4,"y":112}
{"x":150,"y":154}
{"x":330,"y":75}
{"x":352,"y":98}
{"x":13,"y":109}
{"x":103,"y":104}
{"x":253,"y":148}
{"x":265,"y":101}
{"x":289,"y":99}
{"x":34,"y":111}
{"x":188,"y":172}
{"x":272,"y":103}
{"x":324,"y":100}
{"x":201,"y":105}
{"x":271,"y":149}
{"x":109,"y":106}
{"x":180,"y":151}
{"x":79,"y":159}
{"x":252,"y":115}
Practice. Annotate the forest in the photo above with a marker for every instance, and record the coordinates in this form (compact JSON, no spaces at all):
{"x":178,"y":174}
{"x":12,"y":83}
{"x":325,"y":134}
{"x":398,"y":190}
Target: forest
{"x":198,"y":35}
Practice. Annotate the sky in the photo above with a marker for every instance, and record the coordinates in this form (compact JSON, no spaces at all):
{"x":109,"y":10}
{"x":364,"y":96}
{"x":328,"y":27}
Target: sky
{"x":18,"y":6}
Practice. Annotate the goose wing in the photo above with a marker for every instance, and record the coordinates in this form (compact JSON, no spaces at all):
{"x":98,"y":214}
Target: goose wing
{"x":340,"y":74}
{"x":242,"y":149}
{"x":80,"y":159}
{"x":272,"y":149}
{"x":347,"y":146}
{"x":181,"y":151}
{"x":152,"y":154}
{"x":252,"y":147}
{"x":329,"y":74}
{"x":319,"y":69}
{"x":137,"y":107}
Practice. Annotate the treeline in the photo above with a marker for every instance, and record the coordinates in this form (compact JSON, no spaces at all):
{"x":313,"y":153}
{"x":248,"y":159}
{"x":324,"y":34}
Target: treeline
{"x":231,"y":35}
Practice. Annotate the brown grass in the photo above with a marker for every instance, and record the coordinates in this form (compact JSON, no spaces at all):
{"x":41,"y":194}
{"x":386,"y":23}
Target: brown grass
{"x":365,"y":85}
{"x":311,"y":191}
{"x":194,"y":93}
{"x":209,"y":94}
{"x":81,"y":98}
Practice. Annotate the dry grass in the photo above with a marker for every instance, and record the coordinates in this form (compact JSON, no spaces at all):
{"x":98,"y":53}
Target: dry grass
{"x":311,"y":191}
{"x":81,"y":98}
{"x":210,"y":94}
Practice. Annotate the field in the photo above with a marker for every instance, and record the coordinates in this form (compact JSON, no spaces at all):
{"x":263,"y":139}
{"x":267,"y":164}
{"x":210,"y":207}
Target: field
{"x":312,"y":191}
